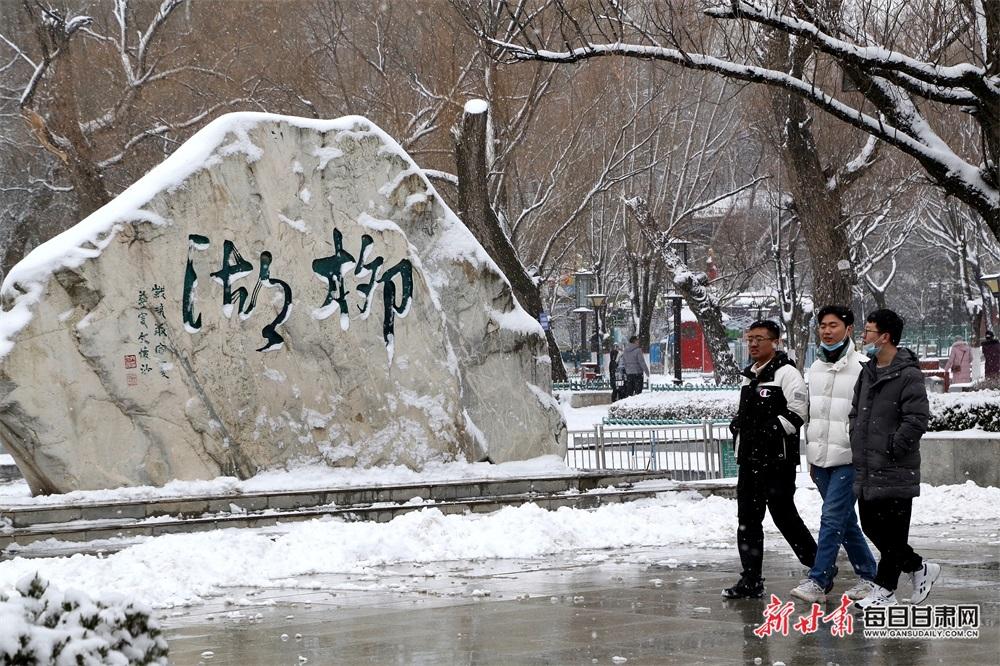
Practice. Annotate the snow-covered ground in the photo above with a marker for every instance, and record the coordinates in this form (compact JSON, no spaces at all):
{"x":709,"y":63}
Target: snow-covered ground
{"x":189,"y":568}
{"x":185,"y":569}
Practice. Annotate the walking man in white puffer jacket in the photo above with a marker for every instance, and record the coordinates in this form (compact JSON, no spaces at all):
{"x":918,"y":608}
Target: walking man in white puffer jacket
{"x":832,"y":377}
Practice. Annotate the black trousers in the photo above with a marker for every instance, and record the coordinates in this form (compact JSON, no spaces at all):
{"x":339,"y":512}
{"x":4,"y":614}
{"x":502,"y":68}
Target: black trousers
{"x":887,"y":523}
{"x":771,"y":486}
{"x":633,"y":384}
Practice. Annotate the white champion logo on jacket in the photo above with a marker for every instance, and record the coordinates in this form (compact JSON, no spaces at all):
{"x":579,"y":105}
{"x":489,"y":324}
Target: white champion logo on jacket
{"x":831,"y":392}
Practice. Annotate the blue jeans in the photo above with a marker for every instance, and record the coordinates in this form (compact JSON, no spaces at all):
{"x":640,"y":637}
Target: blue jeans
{"x":839,"y":525}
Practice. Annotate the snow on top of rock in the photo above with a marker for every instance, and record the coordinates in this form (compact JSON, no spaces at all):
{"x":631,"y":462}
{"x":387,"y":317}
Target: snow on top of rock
{"x":24,"y":285}
{"x":516,"y":320}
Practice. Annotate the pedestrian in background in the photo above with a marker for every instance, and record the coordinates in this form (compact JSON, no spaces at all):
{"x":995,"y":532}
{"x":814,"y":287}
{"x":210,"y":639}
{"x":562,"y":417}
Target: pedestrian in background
{"x":635,"y":367}
{"x":773,"y":406}
{"x":613,"y":372}
{"x":960,"y":362}
{"x":889,"y":415}
{"x":991,"y":357}
{"x":832,"y":377}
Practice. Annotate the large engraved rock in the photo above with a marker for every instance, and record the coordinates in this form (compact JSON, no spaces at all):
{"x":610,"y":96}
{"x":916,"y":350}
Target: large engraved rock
{"x":279,"y":291}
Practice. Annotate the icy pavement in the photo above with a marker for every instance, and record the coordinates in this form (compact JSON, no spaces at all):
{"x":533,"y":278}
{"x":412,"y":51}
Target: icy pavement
{"x":639,"y":605}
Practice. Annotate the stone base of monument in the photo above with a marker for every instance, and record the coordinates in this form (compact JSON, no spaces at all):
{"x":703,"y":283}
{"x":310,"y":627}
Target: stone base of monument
{"x":579,"y":399}
{"x":949,"y":460}
{"x":78,"y":524}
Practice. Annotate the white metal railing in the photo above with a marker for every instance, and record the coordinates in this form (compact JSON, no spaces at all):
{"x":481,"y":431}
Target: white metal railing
{"x":688,"y":451}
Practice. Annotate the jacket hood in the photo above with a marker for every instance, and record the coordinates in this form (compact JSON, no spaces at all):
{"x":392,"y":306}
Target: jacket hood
{"x":961,"y":344}
{"x":631,"y":345}
{"x":905,"y":358}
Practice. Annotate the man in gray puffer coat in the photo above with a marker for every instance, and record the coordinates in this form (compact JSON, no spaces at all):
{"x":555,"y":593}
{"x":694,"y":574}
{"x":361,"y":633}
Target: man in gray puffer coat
{"x":888,"y":416}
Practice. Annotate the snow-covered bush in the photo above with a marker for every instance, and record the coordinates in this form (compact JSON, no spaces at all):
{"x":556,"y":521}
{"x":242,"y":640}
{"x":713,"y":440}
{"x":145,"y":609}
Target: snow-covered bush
{"x":962,"y":411}
{"x":949,"y":411}
{"x":677,"y":406}
{"x":40,"y":624}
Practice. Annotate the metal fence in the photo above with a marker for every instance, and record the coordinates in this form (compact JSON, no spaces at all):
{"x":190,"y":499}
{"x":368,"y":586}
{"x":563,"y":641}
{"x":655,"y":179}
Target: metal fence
{"x":689,"y":451}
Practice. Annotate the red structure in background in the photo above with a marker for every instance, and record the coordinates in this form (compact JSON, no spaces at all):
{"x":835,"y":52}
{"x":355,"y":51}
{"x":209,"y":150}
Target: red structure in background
{"x":694,"y":351}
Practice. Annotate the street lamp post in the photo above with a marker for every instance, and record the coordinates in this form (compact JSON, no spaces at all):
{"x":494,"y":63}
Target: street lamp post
{"x":676,"y":300}
{"x":582,"y":311}
{"x":597,"y":302}
{"x":583,"y":281}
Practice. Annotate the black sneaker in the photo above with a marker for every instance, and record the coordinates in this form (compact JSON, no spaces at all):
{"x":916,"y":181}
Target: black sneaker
{"x":747,"y":588}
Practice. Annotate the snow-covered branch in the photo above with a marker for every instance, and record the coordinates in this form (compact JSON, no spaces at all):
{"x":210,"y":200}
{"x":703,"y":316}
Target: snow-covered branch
{"x":711,"y":202}
{"x":887,"y":78}
{"x":876,"y":59}
{"x":856,"y":167}
{"x":442,"y":176}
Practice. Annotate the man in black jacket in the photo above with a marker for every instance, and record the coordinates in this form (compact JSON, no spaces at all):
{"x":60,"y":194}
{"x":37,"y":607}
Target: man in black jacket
{"x":991,"y":356}
{"x":773,"y":406}
{"x":888,"y":416}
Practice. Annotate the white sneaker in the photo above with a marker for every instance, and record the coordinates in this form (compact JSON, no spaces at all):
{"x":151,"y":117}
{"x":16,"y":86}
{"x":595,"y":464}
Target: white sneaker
{"x":879,"y":596}
{"x":809,"y":591}
{"x":923,"y":579}
{"x":860,"y":590}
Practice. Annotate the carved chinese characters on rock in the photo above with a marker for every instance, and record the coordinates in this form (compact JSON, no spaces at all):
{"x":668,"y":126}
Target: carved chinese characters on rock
{"x":152,"y":352}
{"x":365,"y":271}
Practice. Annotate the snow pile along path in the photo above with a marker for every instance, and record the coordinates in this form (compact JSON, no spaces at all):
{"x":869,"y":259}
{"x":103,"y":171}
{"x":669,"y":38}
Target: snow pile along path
{"x":188,"y":568}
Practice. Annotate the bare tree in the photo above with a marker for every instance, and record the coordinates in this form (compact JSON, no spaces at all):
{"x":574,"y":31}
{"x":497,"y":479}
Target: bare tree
{"x":104,"y":96}
{"x":877,"y":230}
{"x":954,"y":230}
{"x":892,"y":82}
{"x":785,"y":237}
{"x":694,"y":287}
{"x":691,"y":153}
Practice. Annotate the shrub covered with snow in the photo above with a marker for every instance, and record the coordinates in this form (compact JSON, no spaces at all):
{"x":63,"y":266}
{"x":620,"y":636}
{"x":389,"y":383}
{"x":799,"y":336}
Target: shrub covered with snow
{"x":949,"y":411}
{"x":677,"y":406}
{"x":962,"y":411}
{"x":40,"y":624}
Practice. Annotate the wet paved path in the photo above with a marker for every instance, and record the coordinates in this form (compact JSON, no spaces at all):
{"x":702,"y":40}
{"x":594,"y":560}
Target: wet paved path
{"x":647,"y":605}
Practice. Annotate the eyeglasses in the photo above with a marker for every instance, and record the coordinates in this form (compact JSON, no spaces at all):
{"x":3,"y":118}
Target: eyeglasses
{"x":757,"y":339}
{"x":869,"y":331}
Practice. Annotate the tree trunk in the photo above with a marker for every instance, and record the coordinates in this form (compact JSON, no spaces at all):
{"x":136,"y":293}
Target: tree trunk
{"x":475,"y":211}
{"x":817,"y":207}
{"x":646,"y":280}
